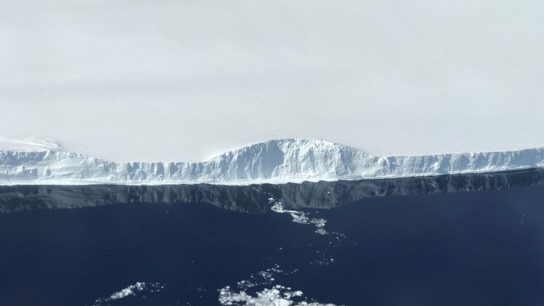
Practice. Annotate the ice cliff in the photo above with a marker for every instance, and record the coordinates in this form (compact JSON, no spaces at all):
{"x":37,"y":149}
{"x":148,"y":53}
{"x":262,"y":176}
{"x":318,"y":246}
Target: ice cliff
{"x":41,"y":161}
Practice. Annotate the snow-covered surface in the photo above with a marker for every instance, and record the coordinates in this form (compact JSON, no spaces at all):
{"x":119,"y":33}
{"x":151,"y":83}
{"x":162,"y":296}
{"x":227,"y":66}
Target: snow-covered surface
{"x":192,"y":77}
{"x":40,"y":161}
{"x":28,"y":144}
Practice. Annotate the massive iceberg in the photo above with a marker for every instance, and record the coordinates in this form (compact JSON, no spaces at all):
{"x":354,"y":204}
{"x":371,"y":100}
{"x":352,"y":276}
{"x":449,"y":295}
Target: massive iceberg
{"x":41,"y":161}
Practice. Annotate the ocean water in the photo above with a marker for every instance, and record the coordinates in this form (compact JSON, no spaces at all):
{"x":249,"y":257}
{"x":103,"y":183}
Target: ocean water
{"x":450,"y":240}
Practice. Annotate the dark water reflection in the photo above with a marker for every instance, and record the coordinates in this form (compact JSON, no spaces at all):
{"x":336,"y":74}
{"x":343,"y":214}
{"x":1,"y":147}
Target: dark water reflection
{"x":257,"y":198}
{"x":472,"y":240}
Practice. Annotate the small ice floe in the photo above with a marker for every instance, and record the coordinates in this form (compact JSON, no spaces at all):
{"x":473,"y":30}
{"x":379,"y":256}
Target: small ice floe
{"x":277,"y":295}
{"x":131,"y":290}
{"x":259,"y":290}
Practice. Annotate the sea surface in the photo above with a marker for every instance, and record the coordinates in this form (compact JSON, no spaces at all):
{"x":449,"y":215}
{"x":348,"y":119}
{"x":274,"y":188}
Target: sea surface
{"x":448,"y":240}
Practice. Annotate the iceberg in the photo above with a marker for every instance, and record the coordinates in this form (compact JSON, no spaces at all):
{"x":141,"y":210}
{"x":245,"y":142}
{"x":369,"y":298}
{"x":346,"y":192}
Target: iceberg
{"x":32,"y":161}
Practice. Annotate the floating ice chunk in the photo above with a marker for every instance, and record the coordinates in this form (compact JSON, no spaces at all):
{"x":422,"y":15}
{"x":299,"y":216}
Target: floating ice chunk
{"x":277,"y":295}
{"x":301,"y":217}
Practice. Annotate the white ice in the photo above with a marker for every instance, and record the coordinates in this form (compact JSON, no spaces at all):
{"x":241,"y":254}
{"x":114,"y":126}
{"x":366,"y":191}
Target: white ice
{"x":275,"y":161}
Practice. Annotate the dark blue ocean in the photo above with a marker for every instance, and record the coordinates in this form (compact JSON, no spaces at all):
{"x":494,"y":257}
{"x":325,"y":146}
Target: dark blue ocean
{"x":452,"y":240}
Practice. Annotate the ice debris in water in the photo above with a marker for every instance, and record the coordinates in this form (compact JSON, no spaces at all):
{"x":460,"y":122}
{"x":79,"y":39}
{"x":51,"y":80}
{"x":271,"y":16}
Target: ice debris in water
{"x":259,"y":289}
{"x":277,"y":295}
{"x":301,"y":217}
{"x":130,"y":291}
{"x":265,"y":277}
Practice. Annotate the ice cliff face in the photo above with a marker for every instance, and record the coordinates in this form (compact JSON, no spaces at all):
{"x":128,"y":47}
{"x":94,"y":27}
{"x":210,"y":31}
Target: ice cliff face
{"x":35,"y":161}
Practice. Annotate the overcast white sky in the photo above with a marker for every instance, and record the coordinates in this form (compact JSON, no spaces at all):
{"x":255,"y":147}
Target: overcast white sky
{"x":183,"y":79}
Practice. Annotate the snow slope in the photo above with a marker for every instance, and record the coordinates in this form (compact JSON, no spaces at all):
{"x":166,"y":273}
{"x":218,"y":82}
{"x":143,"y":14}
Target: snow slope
{"x":277,"y":161}
{"x":28,"y":144}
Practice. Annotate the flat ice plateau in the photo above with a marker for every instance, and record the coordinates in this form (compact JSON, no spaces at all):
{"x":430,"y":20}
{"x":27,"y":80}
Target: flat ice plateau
{"x":41,"y":161}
